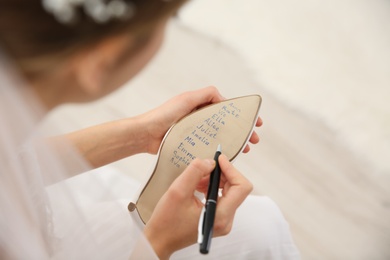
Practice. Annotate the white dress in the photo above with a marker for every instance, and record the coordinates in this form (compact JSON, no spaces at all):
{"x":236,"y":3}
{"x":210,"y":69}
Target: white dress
{"x":259,"y":230}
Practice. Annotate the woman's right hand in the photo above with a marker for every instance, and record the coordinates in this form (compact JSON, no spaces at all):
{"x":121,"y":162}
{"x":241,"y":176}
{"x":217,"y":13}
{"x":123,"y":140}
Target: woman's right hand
{"x":174,"y":222}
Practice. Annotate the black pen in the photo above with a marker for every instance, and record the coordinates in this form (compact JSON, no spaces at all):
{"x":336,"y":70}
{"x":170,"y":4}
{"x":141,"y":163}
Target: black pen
{"x":207,"y":217}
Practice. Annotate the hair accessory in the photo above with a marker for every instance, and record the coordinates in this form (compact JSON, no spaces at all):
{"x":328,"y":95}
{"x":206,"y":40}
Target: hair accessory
{"x":65,"y":11}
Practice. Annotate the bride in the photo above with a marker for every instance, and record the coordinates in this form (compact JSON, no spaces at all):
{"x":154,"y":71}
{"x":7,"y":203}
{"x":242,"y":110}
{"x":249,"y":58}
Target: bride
{"x":61,"y":51}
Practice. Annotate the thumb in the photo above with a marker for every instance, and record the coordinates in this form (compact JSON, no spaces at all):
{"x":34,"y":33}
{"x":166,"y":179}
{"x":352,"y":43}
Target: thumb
{"x":188,"y":181}
{"x":239,"y":186}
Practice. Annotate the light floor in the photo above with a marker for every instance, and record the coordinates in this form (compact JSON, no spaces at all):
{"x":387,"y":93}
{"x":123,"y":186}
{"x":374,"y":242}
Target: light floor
{"x":337,"y":208}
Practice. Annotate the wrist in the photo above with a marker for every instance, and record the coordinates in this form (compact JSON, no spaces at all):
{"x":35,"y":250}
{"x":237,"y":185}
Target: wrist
{"x":158,"y":245}
{"x":137,"y":138}
{"x":151,"y":132}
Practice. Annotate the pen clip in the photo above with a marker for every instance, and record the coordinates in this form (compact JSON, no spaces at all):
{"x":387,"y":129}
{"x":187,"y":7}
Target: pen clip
{"x":200,"y":225}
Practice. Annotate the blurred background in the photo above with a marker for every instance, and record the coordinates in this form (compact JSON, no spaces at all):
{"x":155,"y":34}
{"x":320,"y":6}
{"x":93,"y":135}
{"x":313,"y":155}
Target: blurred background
{"x":323,"y":70}
{"x":328,"y":59}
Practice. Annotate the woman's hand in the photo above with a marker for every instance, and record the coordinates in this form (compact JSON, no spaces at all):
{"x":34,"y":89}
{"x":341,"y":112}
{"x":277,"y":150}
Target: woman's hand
{"x":112,"y":141}
{"x":159,"y":120}
{"x":174,"y":222}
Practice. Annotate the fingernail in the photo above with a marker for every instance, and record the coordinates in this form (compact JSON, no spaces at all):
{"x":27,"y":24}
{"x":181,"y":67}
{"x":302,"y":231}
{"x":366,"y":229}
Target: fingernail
{"x":224,"y":157}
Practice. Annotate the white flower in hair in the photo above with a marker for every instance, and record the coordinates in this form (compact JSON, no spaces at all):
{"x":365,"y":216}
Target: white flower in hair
{"x":65,"y":11}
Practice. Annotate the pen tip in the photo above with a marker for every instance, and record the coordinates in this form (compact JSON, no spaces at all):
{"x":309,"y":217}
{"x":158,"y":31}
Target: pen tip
{"x":219,"y":148}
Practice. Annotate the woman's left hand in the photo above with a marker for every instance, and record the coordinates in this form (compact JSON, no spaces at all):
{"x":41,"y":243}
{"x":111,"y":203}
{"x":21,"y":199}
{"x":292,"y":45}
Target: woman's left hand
{"x":112,"y":141}
{"x":160,"y":119}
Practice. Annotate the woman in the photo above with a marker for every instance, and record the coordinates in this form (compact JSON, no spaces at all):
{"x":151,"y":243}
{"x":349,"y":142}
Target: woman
{"x":78,"y":51}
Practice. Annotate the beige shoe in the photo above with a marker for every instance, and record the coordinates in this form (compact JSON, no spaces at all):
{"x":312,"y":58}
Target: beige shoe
{"x":229,"y":123}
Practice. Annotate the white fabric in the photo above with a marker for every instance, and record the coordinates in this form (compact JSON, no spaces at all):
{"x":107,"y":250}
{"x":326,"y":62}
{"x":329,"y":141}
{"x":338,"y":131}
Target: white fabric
{"x":103,"y":195}
{"x":259,"y":230}
{"x":38,"y":221}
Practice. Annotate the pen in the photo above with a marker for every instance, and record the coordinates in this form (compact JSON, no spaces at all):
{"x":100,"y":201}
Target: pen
{"x":207,"y":217}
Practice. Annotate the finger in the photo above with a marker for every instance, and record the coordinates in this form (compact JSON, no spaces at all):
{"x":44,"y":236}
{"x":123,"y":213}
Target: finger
{"x":222,"y":181}
{"x":185,"y":185}
{"x":239,"y":186}
{"x":204,"y":96}
{"x":232,"y":175}
{"x":259,"y":122}
{"x":188,"y":102}
{"x":246,"y":149}
{"x":203,"y":185}
{"x":254,"y":139}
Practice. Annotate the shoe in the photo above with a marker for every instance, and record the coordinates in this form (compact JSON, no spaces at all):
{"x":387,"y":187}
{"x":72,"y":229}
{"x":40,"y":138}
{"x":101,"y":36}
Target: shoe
{"x":229,"y":123}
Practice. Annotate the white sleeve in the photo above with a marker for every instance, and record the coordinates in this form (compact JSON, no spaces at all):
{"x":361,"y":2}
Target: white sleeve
{"x":259,"y":232}
{"x":143,"y":250}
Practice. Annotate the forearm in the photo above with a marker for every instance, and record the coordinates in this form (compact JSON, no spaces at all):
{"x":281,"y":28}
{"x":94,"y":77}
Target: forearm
{"x":109,"y":142}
